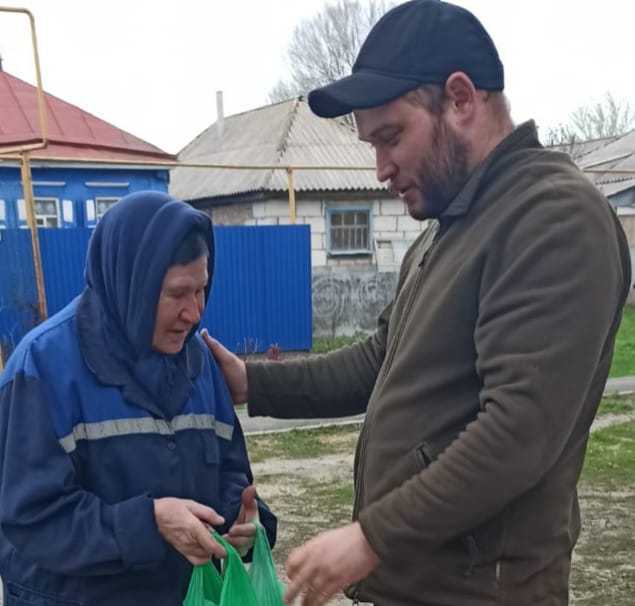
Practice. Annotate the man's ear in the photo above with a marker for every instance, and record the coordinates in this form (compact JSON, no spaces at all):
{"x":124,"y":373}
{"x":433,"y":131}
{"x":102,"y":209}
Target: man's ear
{"x":460,"y":97}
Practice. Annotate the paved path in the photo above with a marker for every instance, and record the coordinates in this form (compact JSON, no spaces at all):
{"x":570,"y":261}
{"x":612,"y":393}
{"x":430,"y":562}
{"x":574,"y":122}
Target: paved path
{"x":622,"y":385}
{"x":257,"y":425}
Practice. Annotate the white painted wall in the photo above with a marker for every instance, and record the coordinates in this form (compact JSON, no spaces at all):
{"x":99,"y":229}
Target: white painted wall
{"x":393,"y":229}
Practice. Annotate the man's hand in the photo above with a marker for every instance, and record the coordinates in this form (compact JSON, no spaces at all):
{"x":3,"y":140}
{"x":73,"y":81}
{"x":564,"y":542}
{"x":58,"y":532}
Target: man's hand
{"x":328,"y":563}
{"x":242,"y":533}
{"x":185,"y":525}
{"x":232,"y":366}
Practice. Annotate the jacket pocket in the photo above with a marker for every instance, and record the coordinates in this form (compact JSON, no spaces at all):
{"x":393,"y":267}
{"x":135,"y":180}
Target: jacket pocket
{"x":483,"y":545}
{"x":423,"y":455}
{"x":18,"y":595}
{"x":210,"y":448}
{"x":208,"y":484}
{"x":411,"y":463}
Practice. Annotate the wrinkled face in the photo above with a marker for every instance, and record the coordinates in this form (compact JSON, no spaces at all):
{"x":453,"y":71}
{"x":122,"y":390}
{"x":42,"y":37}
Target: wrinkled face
{"x":181,"y":305}
{"x":424,"y":159}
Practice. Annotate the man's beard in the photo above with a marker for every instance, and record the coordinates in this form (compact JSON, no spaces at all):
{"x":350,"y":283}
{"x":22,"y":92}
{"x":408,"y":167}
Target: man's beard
{"x":442,"y":172}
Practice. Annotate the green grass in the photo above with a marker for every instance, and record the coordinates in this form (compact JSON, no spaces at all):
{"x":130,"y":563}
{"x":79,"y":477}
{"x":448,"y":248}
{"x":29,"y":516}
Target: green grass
{"x":337,"y":495}
{"x":624,"y":356}
{"x":610,"y":455}
{"x":302,"y":443}
{"x":613,"y":404}
{"x":326,"y":344}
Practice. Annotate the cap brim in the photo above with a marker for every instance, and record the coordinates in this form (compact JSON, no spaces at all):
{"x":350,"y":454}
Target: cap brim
{"x":361,"y":90}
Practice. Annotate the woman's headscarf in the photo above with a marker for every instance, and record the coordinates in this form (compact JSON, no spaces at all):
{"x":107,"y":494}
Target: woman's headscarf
{"x":128,"y":256}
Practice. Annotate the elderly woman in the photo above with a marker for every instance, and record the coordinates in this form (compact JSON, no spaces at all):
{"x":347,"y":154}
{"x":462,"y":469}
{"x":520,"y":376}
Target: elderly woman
{"x":119,"y":446}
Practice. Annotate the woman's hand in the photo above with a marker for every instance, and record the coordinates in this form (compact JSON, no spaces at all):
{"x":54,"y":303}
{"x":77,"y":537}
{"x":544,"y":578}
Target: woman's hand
{"x":242,"y":533}
{"x":185,"y":525}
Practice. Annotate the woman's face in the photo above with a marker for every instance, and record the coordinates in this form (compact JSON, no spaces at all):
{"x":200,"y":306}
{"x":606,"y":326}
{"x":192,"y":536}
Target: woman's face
{"x":181,"y":305}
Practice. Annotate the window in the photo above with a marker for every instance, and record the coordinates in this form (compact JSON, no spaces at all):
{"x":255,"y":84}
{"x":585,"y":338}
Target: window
{"x":46,"y":212}
{"x":348,"y":230}
{"x":103,"y":204}
{"x":3,"y":214}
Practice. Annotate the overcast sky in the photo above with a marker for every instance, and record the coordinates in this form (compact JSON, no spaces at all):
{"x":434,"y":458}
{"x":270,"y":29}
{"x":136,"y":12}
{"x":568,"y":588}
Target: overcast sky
{"x":152,"y":67}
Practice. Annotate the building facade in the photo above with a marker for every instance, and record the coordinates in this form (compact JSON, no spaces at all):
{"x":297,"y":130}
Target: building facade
{"x":86,"y":166}
{"x":354,"y":221}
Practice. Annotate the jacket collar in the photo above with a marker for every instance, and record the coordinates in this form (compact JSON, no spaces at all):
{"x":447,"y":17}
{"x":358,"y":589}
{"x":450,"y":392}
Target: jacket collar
{"x":522,"y":137}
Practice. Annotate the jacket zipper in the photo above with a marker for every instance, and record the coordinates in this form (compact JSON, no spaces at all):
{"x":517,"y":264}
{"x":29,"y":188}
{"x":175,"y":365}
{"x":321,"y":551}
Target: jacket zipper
{"x":359,"y":484}
{"x":415,"y":288}
{"x":437,"y":236}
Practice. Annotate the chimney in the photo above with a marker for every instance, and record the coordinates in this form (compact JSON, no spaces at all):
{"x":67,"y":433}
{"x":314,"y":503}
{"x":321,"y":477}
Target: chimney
{"x":220,"y":117}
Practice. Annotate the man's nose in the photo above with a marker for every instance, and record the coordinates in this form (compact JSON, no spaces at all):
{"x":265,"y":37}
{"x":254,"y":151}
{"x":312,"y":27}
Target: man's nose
{"x":385,"y":168}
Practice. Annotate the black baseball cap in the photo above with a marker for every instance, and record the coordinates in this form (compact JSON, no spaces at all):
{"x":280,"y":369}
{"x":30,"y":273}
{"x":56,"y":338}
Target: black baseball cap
{"x":417,"y":42}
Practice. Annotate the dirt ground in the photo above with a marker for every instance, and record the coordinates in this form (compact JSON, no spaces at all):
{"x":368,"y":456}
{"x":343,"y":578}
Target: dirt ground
{"x":310,"y":496}
{"x":289,"y":486}
{"x":603,"y":568}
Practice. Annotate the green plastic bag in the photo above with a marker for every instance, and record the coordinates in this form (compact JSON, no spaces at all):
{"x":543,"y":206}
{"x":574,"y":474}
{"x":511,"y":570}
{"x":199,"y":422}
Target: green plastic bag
{"x":232,"y":587}
{"x":205,"y":586}
{"x":262,"y":572}
{"x":235,"y":586}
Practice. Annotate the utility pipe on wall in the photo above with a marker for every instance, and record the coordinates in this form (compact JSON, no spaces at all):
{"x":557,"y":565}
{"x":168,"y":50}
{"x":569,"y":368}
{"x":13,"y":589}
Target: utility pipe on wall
{"x":25,"y":166}
{"x":27,"y":188}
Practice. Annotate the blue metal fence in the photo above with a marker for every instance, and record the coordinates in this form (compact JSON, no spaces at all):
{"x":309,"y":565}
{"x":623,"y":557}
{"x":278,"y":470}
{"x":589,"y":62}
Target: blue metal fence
{"x":261,"y":293}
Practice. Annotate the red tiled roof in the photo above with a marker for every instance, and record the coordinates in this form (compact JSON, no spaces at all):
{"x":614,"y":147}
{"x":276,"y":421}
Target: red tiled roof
{"x":72,"y":132}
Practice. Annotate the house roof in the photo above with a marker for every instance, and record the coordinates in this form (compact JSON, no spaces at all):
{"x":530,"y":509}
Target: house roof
{"x":289,"y":134}
{"x":282,"y":134}
{"x":72,"y":132}
{"x":578,"y":149}
{"x":614,"y":153}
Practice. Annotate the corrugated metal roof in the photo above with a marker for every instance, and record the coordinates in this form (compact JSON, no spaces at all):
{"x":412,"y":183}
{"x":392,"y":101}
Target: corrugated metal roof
{"x":289,"y":134}
{"x":282,"y":134}
{"x":578,"y":149}
{"x":72,"y":132}
{"x":615,"y":187}
{"x":616,"y":154}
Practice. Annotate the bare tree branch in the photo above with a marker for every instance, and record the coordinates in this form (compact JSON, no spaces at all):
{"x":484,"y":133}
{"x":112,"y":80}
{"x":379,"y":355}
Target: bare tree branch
{"x":607,"y":118}
{"x":324,"y":47}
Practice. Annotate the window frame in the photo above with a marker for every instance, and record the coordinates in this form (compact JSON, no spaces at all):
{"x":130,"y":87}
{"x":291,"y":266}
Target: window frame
{"x":344,"y":208}
{"x":98,"y":199}
{"x":57,"y":215}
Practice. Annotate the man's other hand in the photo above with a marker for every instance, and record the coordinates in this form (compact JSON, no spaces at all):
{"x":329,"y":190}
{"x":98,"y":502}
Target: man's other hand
{"x":232,"y":366}
{"x":327,"y":564}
